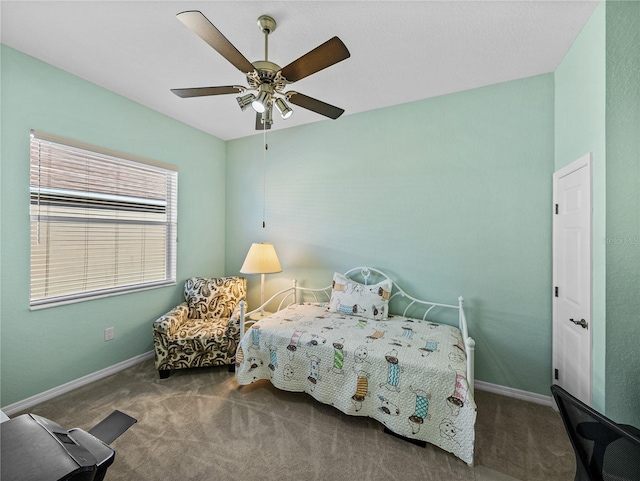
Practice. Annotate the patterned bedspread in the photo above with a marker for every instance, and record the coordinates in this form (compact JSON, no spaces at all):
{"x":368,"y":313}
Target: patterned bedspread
{"x":408,"y":374}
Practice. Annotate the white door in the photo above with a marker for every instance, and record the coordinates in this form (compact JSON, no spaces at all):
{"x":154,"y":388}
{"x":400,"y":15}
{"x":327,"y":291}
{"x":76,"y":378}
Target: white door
{"x":572,"y":278}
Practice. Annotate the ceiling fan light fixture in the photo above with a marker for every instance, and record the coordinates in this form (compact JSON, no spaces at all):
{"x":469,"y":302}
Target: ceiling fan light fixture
{"x":245,"y":101}
{"x":268,"y":117}
{"x":283,"y":108}
{"x":260,"y":103}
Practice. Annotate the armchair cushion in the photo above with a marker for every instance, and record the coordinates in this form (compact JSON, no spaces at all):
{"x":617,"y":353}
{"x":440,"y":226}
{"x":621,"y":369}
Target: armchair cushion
{"x":201,"y":328}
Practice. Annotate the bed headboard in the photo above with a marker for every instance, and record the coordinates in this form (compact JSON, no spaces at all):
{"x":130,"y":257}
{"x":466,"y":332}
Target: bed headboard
{"x":412,"y":306}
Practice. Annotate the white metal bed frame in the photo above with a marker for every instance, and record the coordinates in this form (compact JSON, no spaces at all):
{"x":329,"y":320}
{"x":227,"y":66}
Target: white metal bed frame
{"x":291,"y":294}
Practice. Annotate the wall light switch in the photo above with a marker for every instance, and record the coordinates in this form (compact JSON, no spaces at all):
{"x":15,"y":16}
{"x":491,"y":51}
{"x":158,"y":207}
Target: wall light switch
{"x":109,"y":333}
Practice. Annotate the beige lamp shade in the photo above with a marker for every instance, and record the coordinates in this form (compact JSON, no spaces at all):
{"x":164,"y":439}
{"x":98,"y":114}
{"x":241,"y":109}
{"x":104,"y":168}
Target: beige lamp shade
{"x":261,"y":259}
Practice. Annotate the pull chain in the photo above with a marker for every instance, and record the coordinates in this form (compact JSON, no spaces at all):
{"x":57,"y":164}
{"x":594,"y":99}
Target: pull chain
{"x":264,"y":172}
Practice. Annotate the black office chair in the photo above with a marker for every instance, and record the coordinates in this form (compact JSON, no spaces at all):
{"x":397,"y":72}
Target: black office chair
{"x":605,"y":451}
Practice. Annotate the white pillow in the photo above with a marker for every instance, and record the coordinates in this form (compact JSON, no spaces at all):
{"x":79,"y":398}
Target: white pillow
{"x":355,"y":299}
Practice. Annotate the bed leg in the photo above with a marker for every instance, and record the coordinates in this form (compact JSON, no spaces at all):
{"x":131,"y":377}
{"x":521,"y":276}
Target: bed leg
{"x":417,"y":442}
{"x":471,"y":351}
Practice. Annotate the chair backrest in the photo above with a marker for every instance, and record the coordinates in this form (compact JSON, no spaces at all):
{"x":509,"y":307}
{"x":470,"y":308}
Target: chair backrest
{"x":605,"y":451}
{"x":214,"y":297}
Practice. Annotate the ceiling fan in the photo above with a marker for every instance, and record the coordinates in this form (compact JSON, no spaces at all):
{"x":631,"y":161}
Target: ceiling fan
{"x":266,"y":78}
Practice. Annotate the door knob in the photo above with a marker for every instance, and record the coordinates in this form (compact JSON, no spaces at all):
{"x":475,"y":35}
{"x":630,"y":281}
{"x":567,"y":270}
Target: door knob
{"x":582,"y":323}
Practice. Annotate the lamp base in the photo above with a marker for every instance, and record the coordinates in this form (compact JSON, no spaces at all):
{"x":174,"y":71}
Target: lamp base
{"x":259,"y":315}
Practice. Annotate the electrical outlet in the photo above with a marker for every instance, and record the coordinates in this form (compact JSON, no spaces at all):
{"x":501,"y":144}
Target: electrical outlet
{"x":109,"y":333}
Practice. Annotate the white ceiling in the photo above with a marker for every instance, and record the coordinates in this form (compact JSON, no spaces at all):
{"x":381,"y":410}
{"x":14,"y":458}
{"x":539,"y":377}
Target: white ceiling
{"x":401,"y":51}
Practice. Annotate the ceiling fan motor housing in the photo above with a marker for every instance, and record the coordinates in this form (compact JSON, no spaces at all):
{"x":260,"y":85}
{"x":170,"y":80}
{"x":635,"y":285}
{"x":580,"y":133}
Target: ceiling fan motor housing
{"x":267,"y":72}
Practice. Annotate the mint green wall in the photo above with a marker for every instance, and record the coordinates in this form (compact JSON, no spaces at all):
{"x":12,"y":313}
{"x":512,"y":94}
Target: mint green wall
{"x":451,"y":196}
{"x":44,"y":349}
{"x":623,"y":211}
{"x":597,"y":109}
{"x":580,"y":91}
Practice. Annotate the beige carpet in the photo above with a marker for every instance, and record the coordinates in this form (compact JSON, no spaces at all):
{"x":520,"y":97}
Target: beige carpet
{"x":200,"y":425}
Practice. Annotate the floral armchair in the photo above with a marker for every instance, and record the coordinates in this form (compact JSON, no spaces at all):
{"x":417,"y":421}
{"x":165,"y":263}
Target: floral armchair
{"x":205,"y":329}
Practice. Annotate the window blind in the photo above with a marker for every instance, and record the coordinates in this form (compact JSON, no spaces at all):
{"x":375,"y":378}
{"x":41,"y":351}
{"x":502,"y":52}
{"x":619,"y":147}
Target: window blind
{"x":101,"y":223}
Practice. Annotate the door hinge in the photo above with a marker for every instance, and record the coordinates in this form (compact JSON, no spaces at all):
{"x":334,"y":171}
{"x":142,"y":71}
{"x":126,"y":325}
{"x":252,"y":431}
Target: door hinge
{"x":556,"y":208}
{"x":556,"y":290}
{"x":556,"y":374}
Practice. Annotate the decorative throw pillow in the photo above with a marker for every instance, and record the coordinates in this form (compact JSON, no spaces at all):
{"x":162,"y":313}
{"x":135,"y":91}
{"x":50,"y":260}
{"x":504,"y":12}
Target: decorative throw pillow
{"x":352,"y":298}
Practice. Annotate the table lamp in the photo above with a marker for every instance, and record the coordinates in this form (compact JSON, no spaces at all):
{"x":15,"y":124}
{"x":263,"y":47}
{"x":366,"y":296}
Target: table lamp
{"x":261,"y":259}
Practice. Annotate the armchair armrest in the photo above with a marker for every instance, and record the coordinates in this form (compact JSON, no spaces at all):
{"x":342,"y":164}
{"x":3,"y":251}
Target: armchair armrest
{"x":168,"y":323}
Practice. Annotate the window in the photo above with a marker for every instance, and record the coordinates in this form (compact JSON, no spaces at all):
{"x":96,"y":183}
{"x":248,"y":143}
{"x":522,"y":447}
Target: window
{"x":102,"y":223}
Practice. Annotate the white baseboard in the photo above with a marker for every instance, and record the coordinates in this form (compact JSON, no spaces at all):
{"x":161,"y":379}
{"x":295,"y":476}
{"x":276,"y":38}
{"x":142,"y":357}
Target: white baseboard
{"x":89,"y":378}
{"x":515,"y":393}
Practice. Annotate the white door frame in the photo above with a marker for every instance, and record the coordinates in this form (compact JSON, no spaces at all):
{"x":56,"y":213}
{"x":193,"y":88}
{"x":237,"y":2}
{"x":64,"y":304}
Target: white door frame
{"x":584,"y":161}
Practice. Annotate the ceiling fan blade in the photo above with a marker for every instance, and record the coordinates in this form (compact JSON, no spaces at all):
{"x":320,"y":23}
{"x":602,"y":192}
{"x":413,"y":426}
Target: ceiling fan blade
{"x":203,"y":28}
{"x":204,"y":91}
{"x":259,"y":124}
{"x":315,"y":105}
{"x":321,"y":57}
